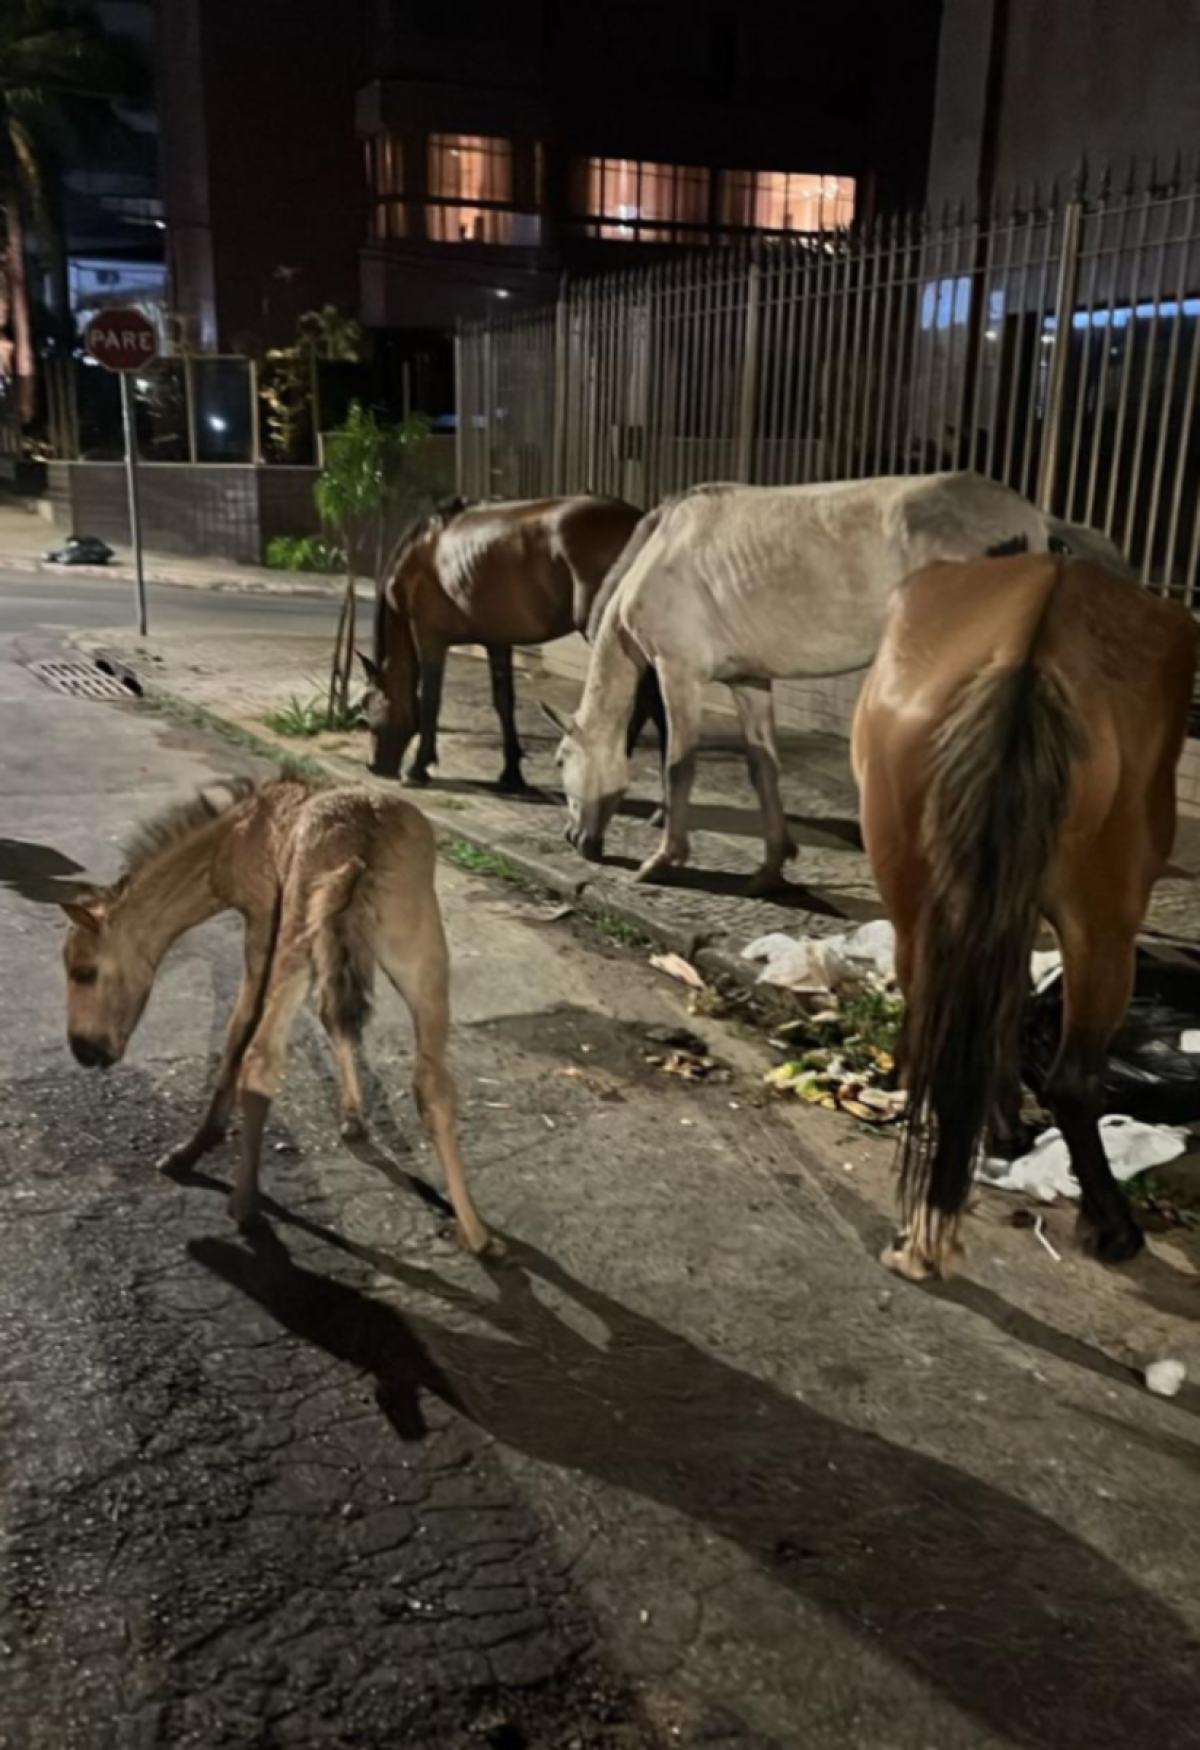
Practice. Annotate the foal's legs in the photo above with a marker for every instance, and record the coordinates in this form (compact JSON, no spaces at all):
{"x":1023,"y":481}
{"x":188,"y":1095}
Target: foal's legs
{"x":418,"y":964}
{"x":1098,"y":968}
{"x":262,"y":1069}
{"x":504,"y":699}
{"x":433,"y":672}
{"x":260,"y":933}
{"x":683,"y":699}
{"x":757,"y":716}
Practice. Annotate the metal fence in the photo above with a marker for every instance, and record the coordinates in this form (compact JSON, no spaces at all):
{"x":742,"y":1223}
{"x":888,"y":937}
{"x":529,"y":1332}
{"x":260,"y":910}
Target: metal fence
{"x":1056,"y":348}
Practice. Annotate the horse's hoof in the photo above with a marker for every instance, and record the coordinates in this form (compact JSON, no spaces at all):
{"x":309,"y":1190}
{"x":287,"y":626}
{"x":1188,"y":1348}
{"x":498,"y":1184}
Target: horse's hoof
{"x":1116,"y":1245}
{"x":918,"y":1257}
{"x":186,"y":1155}
{"x":417,"y":779}
{"x":487,"y":1247}
{"x":766,"y":881}
{"x":353,"y":1130}
{"x":245,"y":1212}
{"x":513,"y":784}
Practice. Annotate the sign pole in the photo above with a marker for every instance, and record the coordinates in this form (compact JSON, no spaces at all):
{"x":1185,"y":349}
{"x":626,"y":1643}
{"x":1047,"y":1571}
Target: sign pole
{"x":131,"y":477}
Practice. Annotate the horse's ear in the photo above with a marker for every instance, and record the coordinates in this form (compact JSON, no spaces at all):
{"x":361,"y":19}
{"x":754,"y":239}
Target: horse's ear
{"x":84,"y":910}
{"x":370,"y":669}
{"x":564,"y":725}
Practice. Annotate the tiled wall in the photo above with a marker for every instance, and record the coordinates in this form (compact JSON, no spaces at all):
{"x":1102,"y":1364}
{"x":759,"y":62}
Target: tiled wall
{"x":205,"y":511}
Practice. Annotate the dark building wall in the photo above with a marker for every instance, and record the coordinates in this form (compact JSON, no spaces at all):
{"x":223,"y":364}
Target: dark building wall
{"x":218,"y":512}
{"x":1104,"y":80}
{"x":263,"y":171}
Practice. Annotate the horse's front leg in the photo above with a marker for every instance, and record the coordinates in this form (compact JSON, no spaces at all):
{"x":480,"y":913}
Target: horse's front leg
{"x":757,"y":716}
{"x":433,"y":673}
{"x":683,"y":699}
{"x":504,"y":700}
{"x":260,"y":934}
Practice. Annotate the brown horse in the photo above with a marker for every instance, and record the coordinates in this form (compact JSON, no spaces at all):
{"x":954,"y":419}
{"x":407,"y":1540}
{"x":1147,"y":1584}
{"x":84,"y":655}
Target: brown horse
{"x":329,"y":882}
{"x":1016,"y":746}
{"x":499,"y":574}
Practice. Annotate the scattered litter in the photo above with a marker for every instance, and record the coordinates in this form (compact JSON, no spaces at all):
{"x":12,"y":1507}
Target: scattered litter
{"x":1147,"y":1075}
{"x":532,"y":914}
{"x":675,"y":966}
{"x":1164,"y":1378}
{"x":685,"y":1054}
{"x":548,"y":1122}
{"x":1045,"y":1172}
{"x":822,"y":968}
{"x":1039,"y":1233}
{"x":498,"y":1105}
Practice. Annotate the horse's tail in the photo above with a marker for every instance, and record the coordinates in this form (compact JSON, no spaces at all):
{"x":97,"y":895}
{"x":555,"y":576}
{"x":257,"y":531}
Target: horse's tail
{"x":621,"y":566}
{"x":998,"y":795}
{"x":343,"y":951}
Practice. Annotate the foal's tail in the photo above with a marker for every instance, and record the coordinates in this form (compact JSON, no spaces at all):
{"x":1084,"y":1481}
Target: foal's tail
{"x":998,"y":795}
{"x":340,"y":930}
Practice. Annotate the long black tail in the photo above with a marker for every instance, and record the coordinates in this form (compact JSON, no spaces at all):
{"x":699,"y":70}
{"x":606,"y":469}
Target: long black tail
{"x":997,"y":799}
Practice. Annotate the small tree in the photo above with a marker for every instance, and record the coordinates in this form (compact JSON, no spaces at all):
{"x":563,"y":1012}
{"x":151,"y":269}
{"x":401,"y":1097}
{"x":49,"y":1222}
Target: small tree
{"x":368,"y":466}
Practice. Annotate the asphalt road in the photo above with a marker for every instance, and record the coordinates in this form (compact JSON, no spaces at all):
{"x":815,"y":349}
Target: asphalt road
{"x":62,"y":601}
{"x":689,"y":1471}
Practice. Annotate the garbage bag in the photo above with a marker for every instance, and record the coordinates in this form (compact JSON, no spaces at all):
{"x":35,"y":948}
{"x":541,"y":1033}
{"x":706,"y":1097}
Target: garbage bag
{"x":1149,"y":1075}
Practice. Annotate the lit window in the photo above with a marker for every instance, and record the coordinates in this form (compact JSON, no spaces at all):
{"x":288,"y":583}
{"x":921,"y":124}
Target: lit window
{"x":779,"y":200}
{"x":467,"y":168}
{"x":622,"y":199}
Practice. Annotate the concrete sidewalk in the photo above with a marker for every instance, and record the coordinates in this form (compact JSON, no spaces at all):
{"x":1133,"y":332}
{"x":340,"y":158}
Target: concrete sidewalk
{"x":705,"y":912}
{"x":26,"y":537}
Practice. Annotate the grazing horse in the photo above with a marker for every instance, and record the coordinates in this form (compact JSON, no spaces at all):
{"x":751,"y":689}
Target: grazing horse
{"x":749,"y":585}
{"x":329,"y":881}
{"x":499,"y":574}
{"x":1016,"y":746}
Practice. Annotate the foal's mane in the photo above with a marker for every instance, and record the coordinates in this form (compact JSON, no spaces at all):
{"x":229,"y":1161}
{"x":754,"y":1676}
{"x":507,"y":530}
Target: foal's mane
{"x":180,"y":820}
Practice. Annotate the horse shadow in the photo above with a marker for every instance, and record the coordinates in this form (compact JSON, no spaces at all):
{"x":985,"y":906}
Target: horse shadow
{"x":39,"y":873}
{"x":1014,"y":1620}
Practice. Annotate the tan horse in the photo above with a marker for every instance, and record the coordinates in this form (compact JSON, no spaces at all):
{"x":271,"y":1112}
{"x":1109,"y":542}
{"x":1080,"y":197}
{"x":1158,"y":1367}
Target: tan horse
{"x":329,"y":881}
{"x":499,"y":574}
{"x":1016,"y":745}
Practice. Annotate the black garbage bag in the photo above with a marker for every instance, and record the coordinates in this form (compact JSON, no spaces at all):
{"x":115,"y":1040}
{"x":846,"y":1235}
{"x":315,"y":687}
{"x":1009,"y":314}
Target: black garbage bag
{"x":1148,"y":1075}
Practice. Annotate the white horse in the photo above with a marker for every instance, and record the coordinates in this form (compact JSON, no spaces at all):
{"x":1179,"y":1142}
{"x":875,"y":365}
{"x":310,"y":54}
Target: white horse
{"x":749,"y":585}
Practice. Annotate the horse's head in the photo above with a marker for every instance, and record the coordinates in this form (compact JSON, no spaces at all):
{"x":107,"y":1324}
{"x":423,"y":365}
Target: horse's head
{"x":109,"y":977}
{"x":595,"y":773}
{"x":390,"y":728}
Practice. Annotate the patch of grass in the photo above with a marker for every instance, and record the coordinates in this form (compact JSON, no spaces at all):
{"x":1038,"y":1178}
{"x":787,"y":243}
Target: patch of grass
{"x":304,"y":718}
{"x":618,"y":929}
{"x":476,"y":861}
{"x":304,"y":553}
{"x":199,"y":717}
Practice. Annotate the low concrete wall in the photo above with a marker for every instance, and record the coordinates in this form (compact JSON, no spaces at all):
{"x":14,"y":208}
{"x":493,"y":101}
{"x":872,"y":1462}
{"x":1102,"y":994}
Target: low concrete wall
{"x":199,"y":511}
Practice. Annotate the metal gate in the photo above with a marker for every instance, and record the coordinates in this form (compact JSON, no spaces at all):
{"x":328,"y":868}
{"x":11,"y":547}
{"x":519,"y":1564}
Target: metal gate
{"x":1056,"y":348}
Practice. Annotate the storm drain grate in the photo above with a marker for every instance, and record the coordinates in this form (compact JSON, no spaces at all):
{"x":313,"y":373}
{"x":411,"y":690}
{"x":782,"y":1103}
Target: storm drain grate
{"x":79,"y":680}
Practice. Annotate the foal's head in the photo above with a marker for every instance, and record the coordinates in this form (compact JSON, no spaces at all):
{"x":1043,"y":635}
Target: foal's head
{"x":109,"y":976}
{"x":595,"y":773}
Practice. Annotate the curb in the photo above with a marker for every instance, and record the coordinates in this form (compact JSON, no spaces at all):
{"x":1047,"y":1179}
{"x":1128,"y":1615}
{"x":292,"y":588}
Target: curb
{"x":578,"y":891}
{"x":290,"y":583}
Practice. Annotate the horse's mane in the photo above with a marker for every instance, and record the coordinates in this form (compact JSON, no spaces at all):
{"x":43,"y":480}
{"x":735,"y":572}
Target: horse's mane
{"x":180,"y":820}
{"x":649,"y":525}
{"x":426,"y":522}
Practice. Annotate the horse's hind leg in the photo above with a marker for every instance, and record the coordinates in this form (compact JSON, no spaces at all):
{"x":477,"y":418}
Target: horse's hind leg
{"x":504,"y":699}
{"x":762,"y":758}
{"x":1098,"y":967}
{"x":262,"y":1070}
{"x":415,"y":959}
{"x":683,"y":700}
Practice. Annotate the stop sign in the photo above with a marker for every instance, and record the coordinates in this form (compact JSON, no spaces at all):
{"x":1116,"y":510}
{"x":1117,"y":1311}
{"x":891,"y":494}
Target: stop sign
{"x":123,"y":340}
